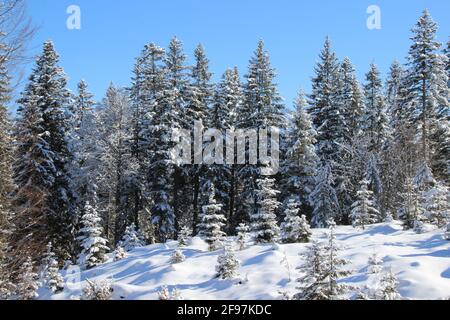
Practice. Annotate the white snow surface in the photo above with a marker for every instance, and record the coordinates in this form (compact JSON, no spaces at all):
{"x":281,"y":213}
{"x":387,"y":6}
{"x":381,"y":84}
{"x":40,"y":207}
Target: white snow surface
{"x":421,"y":263}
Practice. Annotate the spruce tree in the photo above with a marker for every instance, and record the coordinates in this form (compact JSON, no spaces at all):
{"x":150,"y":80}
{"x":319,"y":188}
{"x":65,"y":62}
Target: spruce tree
{"x":227,"y":265}
{"x":50,"y":271}
{"x":27,"y":282}
{"x":176,"y":99}
{"x":184,"y":236}
{"x":375,"y":118}
{"x":327,"y":114}
{"x":324,"y":199}
{"x":322,"y":270}
{"x":437,"y":205}
{"x":242,"y":235}
{"x":115,"y":168}
{"x":131,"y":239}
{"x":177,"y":257}
{"x":363,"y":210}
{"x":94,"y":246}
{"x":84,"y":147}
{"x":164,"y":177}
{"x":425,"y":80}
{"x":375,"y":264}
{"x":388,"y":287}
{"x":201,"y":93}
{"x":262,"y":109}
{"x":311,"y":283}
{"x":294,"y":229}
{"x":41,"y":168}
{"x":212,"y":222}
{"x":301,"y":159}
{"x":264,"y":225}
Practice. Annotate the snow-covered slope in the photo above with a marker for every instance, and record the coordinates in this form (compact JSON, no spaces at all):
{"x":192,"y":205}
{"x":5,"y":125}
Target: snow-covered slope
{"x":420,"y":261}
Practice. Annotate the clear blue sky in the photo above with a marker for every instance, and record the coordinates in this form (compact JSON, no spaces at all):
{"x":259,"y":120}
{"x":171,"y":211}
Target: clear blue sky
{"x":114,"y":32}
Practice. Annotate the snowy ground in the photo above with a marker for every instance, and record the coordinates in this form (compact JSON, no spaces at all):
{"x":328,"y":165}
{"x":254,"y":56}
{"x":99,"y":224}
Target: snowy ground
{"x":420,"y":261}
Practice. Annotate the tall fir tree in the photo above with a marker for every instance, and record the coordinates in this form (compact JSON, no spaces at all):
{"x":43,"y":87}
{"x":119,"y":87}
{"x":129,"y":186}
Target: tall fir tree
{"x":301,"y":160}
{"x":263,"y":108}
{"x":44,"y":197}
{"x":228,"y":98}
{"x":175,"y":99}
{"x":115,"y":190}
{"x":83,"y":146}
{"x":426,"y":80}
{"x":198,"y":110}
{"x":375,"y":118}
{"x":327,"y":114}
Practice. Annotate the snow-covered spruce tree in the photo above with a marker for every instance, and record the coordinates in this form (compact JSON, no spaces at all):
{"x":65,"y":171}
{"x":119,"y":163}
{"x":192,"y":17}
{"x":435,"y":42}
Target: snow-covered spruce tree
{"x":212,"y":222}
{"x":400,"y":159}
{"x":43,"y":196}
{"x":83,"y":138}
{"x":228,"y":99}
{"x":426,"y":80}
{"x":164,"y":177}
{"x":184,"y":236}
{"x":164,"y":294}
{"x":264,"y":226}
{"x":27,"y":282}
{"x":145,"y":92}
{"x":177,"y":257}
{"x":437,"y":205}
{"x":200,"y":95}
{"x":93,"y":245}
{"x":375,"y":264}
{"x":363,"y":210}
{"x":227,"y":265}
{"x":141,"y":98}
{"x":323,"y":269}
{"x":335,"y":266}
{"x":242,"y":235}
{"x":388,"y":287}
{"x":375,"y":117}
{"x":50,"y":271}
{"x":350,"y":101}
{"x":411,"y":209}
{"x":119,"y":254}
{"x":324,"y":198}
{"x":295,"y":229}
{"x":263,"y":108}
{"x":131,"y":239}
{"x":301,"y":159}
{"x":311,"y":284}
{"x":115,"y":169}
{"x":177,"y":93}
{"x":327,"y":114}
{"x":97,"y":290}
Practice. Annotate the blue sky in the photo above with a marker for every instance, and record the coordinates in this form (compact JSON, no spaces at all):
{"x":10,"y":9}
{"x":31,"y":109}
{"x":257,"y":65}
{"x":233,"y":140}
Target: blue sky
{"x":113,"y":33}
